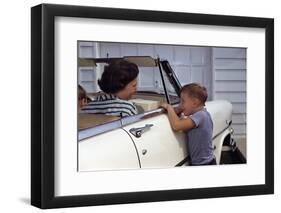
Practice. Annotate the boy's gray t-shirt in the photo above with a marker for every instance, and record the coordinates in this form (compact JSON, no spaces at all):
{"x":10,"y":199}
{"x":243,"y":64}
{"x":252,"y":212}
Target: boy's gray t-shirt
{"x":199,"y":139}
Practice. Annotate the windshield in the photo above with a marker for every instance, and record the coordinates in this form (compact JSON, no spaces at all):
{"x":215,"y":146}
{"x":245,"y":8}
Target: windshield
{"x":172,"y":95}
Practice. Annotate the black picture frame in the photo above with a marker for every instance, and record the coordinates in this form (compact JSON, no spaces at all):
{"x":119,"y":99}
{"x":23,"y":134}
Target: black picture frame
{"x":43,"y":105}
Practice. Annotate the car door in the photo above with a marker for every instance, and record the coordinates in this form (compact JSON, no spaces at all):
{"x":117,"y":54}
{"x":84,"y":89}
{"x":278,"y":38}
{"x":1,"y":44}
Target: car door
{"x":159,"y":146}
{"x":112,"y":150}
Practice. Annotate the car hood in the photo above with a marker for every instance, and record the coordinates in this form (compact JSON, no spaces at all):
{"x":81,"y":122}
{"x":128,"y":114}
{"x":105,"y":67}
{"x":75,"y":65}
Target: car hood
{"x":220,"y":111}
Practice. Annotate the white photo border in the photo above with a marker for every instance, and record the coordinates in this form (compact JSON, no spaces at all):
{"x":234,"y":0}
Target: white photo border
{"x":68,"y":30}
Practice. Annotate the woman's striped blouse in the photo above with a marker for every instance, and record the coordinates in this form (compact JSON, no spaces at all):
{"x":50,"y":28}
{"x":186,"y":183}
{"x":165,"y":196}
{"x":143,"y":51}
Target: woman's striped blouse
{"x":109,"y":104}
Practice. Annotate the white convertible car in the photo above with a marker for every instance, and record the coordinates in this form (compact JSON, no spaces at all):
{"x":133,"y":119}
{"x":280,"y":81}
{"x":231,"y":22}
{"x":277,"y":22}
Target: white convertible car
{"x":145,"y":140}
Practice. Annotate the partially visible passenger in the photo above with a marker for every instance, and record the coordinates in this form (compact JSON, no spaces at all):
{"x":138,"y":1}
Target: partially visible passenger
{"x":82,"y":97}
{"x":119,"y":84}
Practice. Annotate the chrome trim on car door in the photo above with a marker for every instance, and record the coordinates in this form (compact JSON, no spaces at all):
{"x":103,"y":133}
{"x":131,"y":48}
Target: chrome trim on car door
{"x":92,"y":131}
{"x":135,"y":118}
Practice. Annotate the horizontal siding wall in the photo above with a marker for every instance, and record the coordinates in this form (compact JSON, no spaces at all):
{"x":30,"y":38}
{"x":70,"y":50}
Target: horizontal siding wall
{"x":191,"y":64}
{"x":229,"y":67}
{"x":87,"y":75}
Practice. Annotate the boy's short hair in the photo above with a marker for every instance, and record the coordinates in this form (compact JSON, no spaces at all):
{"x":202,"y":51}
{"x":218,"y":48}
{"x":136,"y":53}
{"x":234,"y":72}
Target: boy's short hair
{"x":196,"y":90}
{"x":81,"y":93}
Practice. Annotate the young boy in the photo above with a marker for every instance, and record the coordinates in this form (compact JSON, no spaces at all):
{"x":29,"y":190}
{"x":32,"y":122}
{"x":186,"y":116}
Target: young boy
{"x":197,"y":124}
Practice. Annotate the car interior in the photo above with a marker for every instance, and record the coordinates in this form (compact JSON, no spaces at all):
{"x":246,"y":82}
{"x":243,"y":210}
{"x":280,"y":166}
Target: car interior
{"x":144,"y":100}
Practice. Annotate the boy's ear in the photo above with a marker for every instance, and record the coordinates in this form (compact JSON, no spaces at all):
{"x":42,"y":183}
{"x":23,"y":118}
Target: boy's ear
{"x":196,"y":102}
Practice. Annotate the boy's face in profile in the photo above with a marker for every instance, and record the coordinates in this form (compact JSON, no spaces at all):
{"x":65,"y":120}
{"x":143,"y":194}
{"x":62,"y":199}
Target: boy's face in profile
{"x":188,"y":104}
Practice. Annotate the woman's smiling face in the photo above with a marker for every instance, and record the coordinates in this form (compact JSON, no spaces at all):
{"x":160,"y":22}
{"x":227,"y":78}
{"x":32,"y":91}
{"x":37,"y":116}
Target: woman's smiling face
{"x":128,"y":91}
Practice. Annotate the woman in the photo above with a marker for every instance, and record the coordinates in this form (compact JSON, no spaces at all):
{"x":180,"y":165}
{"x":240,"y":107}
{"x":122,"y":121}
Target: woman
{"x":119,"y":84}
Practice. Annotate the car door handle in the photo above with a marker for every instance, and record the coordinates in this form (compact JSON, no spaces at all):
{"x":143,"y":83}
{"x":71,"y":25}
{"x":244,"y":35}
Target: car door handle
{"x":137,"y":132}
{"x":144,"y":151}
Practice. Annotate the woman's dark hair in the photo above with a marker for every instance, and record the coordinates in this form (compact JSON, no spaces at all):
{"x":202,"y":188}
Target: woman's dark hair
{"x":117,"y":75}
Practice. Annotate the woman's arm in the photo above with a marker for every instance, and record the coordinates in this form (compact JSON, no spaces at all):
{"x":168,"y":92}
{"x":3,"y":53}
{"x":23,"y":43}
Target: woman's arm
{"x":178,"y":124}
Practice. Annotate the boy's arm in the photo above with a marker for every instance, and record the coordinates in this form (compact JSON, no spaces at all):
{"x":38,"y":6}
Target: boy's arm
{"x":178,"y":124}
{"x":178,"y":110}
